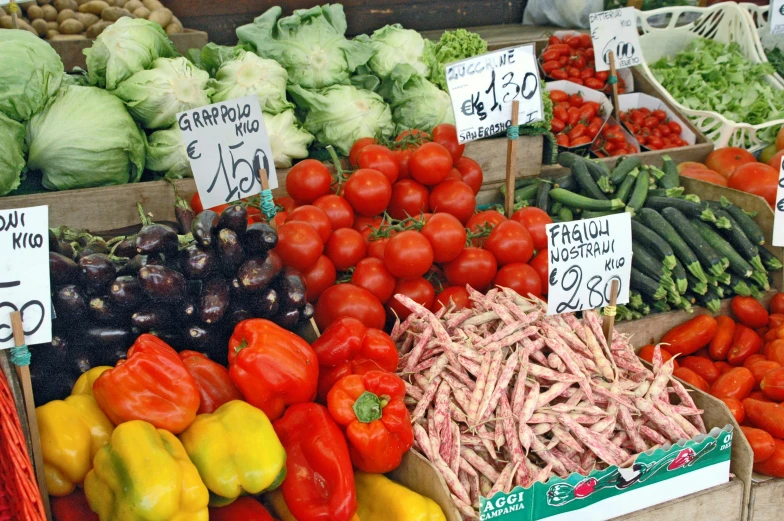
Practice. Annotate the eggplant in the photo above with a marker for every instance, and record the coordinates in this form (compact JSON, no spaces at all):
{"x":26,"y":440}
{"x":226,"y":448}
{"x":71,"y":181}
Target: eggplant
{"x":94,"y":245}
{"x":307,"y":311}
{"x":287,"y":319}
{"x":291,"y":289}
{"x":186,"y":311}
{"x":156,"y":239}
{"x":235,"y":218}
{"x":210,"y":340}
{"x":126,"y":291}
{"x":266,"y":304}
{"x":70,"y":301}
{"x":137,"y":262}
{"x":106,"y":311}
{"x":126,"y":247}
{"x":256,"y":274}
{"x":203,"y":228}
{"x":185,"y":215}
{"x":260,"y":238}
{"x":101,"y":339}
{"x":162,"y":284}
{"x":197,"y":262}
{"x":150,"y":317}
{"x":62,"y":270}
{"x":50,"y":384}
{"x":54,"y":242}
{"x":214,"y":300}
{"x":97,"y":271}
{"x":230,"y":252}
{"x":66,"y":249}
{"x":237,"y":312}
{"x":173,"y":337}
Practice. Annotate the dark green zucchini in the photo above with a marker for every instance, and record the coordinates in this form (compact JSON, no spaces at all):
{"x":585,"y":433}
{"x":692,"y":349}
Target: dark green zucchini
{"x":566,"y":182}
{"x":588,"y":214}
{"x":651,"y":266}
{"x":770,"y":261}
{"x":707,"y":255}
{"x":555,"y":207}
{"x":543,"y":196}
{"x":666,"y":192}
{"x":738,"y":264}
{"x":739,"y":286}
{"x":586,"y":203}
{"x":697,"y":286}
{"x":565,"y":214}
{"x":747,"y":224}
{"x":655,"y":244}
{"x":687,"y":208}
{"x":670,"y":179}
{"x":567,"y":159}
{"x":734,"y":235}
{"x":624,"y":167}
{"x":625,"y":188}
{"x":524,"y":194}
{"x":709,"y":300}
{"x":639,"y":193}
{"x":587,"y":184}
{"x":679,"y":277}
{"x":654,"y":220}
{"x":647,"y":286}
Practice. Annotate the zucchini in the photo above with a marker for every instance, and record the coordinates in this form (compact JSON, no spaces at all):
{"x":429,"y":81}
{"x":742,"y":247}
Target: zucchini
{"x":761,"y":278}
{"x":655,"y":244}
{"x":739,"y":286}
{"x":588,"y":214}
{"x":555,"y":207}
{"x":543,"y":196}
{"x":735,"y":236}
{"x":670,"y":179}
{"x":710,"y":300}
{"x":566,"y":182}
{"x":651,"y":266}
{"x":646,"y":286}
{"x":625,"y":189}
{"x":587,"y":185}
{"x":707,"y":255}
{"x":684,"y":304}
{"x":769,"y":260}
{"x":654,"y":220}
{"x":567,"y":159}
{"x":697,"y":286}
{"x":755,"y":291}
{"x":747,"y":224}
{"x":635,"y":300}
{"x":565,"y":214}
{"x":624,"y":167}
{"x":522,"y":182}
{"x":597,"y":169}
{"x":666,"y":192}
{"x":728,"y":292}
{"x":679,"y":277}
{"x":661,"y":306}
{"x":687,"y":208}
{"x":623,"y":313}
{"x":738,"y":264}
{"x":574,"y":200}
{"x":639,"y":193}
{"x":720,"y":291}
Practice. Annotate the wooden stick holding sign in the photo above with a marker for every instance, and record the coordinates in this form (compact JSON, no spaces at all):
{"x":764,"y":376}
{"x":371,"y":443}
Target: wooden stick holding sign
{"x":511,"y":162}
{"x":14,"y":8}
{"x":264,"y":178}
{"x":609,"y":313}
{"x":23,"y":372}
{"x":614,"y":86}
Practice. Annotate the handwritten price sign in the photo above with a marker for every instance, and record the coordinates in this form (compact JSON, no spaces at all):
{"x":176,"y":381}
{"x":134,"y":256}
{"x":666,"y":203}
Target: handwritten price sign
{"x":776,"y":16}
{"x":584,"y":258}
{"x":778,"y":215}
{"x":615,"y":31}
{"x":227,"y":143}
{"x":483,"y":89}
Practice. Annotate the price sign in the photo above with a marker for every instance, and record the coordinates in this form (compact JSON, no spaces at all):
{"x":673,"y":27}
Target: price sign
{"x":584,"y":258}
{"x":776,"y":16}
{"x":227,"y":143}
{"x":778,"y":211}
{"x":616,"y":31}
{"x":4,"y":2}
{"x":24,"y":274}
{"x":483,"y":89}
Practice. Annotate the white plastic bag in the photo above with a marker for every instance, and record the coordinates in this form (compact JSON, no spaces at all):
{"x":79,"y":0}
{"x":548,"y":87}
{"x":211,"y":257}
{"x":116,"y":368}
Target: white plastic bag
{"x":561,"y":13}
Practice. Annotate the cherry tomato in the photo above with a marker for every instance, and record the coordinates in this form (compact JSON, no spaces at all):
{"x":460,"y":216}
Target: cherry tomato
{"x":559,"y":74}
{"x":574,"y":115}
{"x":446,"y":135}
{"x":446,"y":236}
{"x":659,"y":114}
{"x":557,"y":125}
{"x":534,"y":220}
{"x":358,"y":145}
{"x":773,"y":384}
{"x":558,"y":96}
{"x":521,"y":278}
{"x":474,"y":266}
{"x":703,"y":367}
{"x":585,"y":41}
{"x":455,"y":198}
{"x":419,"y":290}
{"x":594,"y":83}
{"x":368,"y":191}
{"x":736,"y":408}
{"x":453,"y":297}
{"x":430,"y":163}
{"x":777,"y":303}
{"x":299,"y":245}
{"x":345,"y":248}
{"x":338,"y":210}
{"x":377,"y":247}
{"x":379,"y":157}
{"x":550,"y":66}
{"x":409,"y":199}
{"x":510,"y":242}
{"x":745,"y":343}
{"x":646,"y":353}
{"x":373,"y":275}
{"x":314,"y":216}
{"x":308,"y":180}
{"x":319,"y":277}
{"x":349,"y":300}
{"x":471,"y":172}
{"x":408,"y":255}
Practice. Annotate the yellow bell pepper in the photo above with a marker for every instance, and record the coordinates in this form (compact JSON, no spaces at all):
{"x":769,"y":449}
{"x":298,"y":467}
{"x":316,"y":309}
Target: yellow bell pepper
{"x":144,"y":474}
{"x":381,"y":499}
{"x":236,"y":451}
{"x":280,"y":509}
{"x":84,"y":385}
{"x":72,"y":431}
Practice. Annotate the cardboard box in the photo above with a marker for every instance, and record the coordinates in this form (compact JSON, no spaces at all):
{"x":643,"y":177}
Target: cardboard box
{"x":588,"y":95}
{"x":630,"y":139}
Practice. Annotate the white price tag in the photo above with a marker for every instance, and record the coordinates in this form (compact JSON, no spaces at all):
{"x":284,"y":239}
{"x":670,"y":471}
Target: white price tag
{"x":483,"y":89}
{"x":227,"y":144}
{"x":616,"y":31}
{"x":778,"y":211}
{"x":584,"y":258}
{"x":4,"y":2}
{"x":776,"y":16}
{"x":24,"y":274}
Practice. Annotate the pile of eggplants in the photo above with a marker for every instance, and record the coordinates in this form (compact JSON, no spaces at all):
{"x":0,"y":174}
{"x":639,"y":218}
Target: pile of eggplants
{"x":191,"y":289}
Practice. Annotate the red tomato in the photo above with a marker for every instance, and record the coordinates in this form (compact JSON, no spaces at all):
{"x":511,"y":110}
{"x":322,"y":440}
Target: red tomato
{"x":594,"y":83}
{"x":308,"y":180}
{"x":562,"y":140}
{"x":348,"y":300}
{"x":756,"y":178}
{"x":377,"y":247}
{"x":550,"y":66}
{"x":446,"y":135}
{"x":691,"y":336}
{"x":646,"y":353}
{"x":471,"y":172}
{"x":774,"y":162}
{"x":408,"y":255}
{"x":287,"y":203}
{"x":319,"y":277}
{"x":358,"y":145}
{"x":558,"y":95}
{"x":723,"y":366}
{"x":557,"y":125}
{"x":585,"y":41}
{"x":430,"y":163}
{"x":573,"y":115}
{"x":576,"y":100}
{"x":745,"y":343}
{"x":540,"y":264}
{"x":474,"y":266}
{"x":762,"y":443}
{"x":345,"y":248}
{"x":736,"y":383}
{"x":721,"y":343}
{"x":659,"y":114}
{"x":454,"y":296}
{"x":314,"y":216}
{"x":484,"y":219}
{"x":759,"y":369}
{"x":520,"y":277}
{"x":196,"y":205}
{"x":403,"y":155}
{"x":455,"y":198}
{"x":692,"y":378}
{"x":74,"y":507}
{"x":749,"y":311}
{"x":419,"y":290}
{"x":299,"y":245}
{"x":510,"y":242}
{"x":373,"y":275}
{"x":777,"y":303}
{"x":703,"y":367}
{"x":703,"y":174}
{"x":446,"y":235}
{"x":415,"y":136}
{"x":409,"y":199}
{"x":736,"y":408}
{"x":338,"y":210}
{"x":773,"y":384}
{"x":379,"y":157}
{"x":550,"y":55}
{"x":559,"y":112}
{"x":774,"y":465}
{"x":535,"y":221}
{"x":726,"y":160}
{"x":454,"y":174}
{"x":577,"y":131}
{"x":368,"y":191}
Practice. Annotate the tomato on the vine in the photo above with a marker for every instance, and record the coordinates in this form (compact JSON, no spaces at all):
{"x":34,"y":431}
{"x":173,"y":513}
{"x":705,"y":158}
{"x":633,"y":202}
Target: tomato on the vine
{"x":345,"y":248}
{"x":474,"y":267}
{"x":535,"y":220}
{"x":520,"y":277}
{"x":409,"y":199}
{"x":446,"y":235}
{"x":379,"y":157}
{"x":446,"y":134}
{"x":403,"y":156}
{"x":471,"y":172}
{"x":308,"y":180}
{"x":419,"y":290}
{"x":430,"y":163}
{"x":286,"y":202}
{"x":453,"y":296}
{"x":368,"y":191}
{"x":314,"y":216}
{"x":377,"y":247}
{"x":373,"y":275}
{"x":510,"y":242}
{"x":319,"y":277}
{"x":299,"y":245}
{"x":414,"y":137}
{"x":338,"y":210}
{"x":484,"y":219}
{"x":358,"y":145}
{"x":408,"y":255}
{"x":349,"y":300}
{"x":453,"y":197}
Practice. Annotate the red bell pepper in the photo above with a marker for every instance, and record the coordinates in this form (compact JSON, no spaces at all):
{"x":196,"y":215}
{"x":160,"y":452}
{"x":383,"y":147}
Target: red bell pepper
{"x":319,"y":484}
{"x":371,"y":410}
{"x":273,"y":368}
{"x":152,"y":385}
{"x":244,"y":508}
{"x":212,"y":379}
{"x":73,"y":507}
{"x":348,"y":347}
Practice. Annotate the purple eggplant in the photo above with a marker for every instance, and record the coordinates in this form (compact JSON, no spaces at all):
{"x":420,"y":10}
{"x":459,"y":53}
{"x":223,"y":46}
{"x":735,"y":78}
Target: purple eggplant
{"x":197,"y":262}
{"x":291,"y":288}
{"x":260,"y":238}
{"x":137,"y":262}
{"x":54,"y":242}
{"x":97,"y":271}
{"x":184,"y":214}
{"x":203,"y":228}
{"x":148,"y":318}
{"x":266,"y":303}
{"x":126,"y":247}
{"x":210,"y":340}
{"x":162,"y":284}
{"x":230,"y":252}
{"x":287,"y":319}
{"x":214,"y":300}
{"x":66,"y":249}
{"x":237,"y":312}
{"x":126,"y":291}
{"x":256,"y":274}
{"x":307,"y":311}
{"x":104,"y":310}
{"x":62,"y":270}
{"x":235,"y":218}
{"x":156,"y":239}
{"x":94,"y":245}
{"x":187,"y":311}
{"x":70,"y":301}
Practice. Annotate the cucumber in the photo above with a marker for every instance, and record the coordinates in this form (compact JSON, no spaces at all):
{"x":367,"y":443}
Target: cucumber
{"x":625,"y":189}
{"x":697,"y":286}
{"x":588,"y":214}
{"x":738,"y":264}
{"x":522,"y":182}
{"x":543,"y":196}
{"x":654,"y":220}
{"x":524,"y":194}
{"x":769,"y":260}
{"x":651,"y":266}
{"x":567,"y":159}
{"x":646,"y":286}
{"x":587,"y":185}
{"x":747,"y":224}
{"x":707,"y":255}
{"x":687,"y":208}
{"x":670,"y":179}
{"x":710,"y":300}
{"x":679,"y":277}
{"x":739,"y":286}
{"x":655,"y":244}
{"x":555,"y":208}
{"x":639,"y":193}
{"x":565,"y":214}
{"x":623,"y":167}
{"x":586,"y":203}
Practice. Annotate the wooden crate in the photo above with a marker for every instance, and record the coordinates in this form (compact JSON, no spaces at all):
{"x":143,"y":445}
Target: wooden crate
{"x":767,"y":499}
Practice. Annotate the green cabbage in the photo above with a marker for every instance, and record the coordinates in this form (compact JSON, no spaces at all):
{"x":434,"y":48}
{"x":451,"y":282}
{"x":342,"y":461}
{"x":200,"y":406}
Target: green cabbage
{"x":84,"y":138}
{"x":30,"y":73}
{"x":415,"y":102}
{"x":166,"y":153}
{"x":453,"y":46}
{"x":287,"y":140}
{"x":12,"y":149}
{"x":248,"y":74}
{"x":172,"y":85}
{"x":212,"y":56}
{"x":394,"y":45}
{"x":310,"y":44}
{"x":125,"y":48}
{"x":341,"y":114}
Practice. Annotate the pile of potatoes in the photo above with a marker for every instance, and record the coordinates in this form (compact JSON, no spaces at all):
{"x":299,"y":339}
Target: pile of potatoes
{"x":74,"y":19}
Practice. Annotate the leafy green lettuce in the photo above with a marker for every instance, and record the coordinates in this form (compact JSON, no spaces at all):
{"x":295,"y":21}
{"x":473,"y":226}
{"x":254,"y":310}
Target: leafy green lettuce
{"x":395,"y":45}
{"x":415,"y":102}
{"x":12,"y":150}
{"x":453,"y":46}
{"x":248,"y":74}
{"x":166,"y":153}
{"x":287,"y":139}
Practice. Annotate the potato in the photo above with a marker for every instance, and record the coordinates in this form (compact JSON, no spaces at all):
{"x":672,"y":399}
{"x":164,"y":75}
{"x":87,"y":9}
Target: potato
{"x":120,"y":3}
{"x":133,"y":5}
{"x":94,"y":7}
{"x":39,"y":24}
{"x":23,"y":24}
{"x":61,"y":5}
{"x":141,"y":12}
{"x":53,"y":26}
{"x":112,"y":14}
{"x":174,"y":28}
{"x":82,"y":2}
{"x":87,"y":19}
{"x":51,"y":33}
{"x":44,"y":2}
{"x":50,"y":13}
{"x":162,"y":17}
{"x":71,"y":26}
{"x":152,"y":5}
{"x":34,"y":12}
{"x":68,"y":37}
{"x":6,"y":22}
{"x":97,"y":28}
{"x":65,"y":14}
